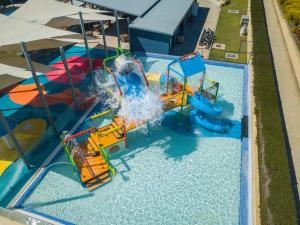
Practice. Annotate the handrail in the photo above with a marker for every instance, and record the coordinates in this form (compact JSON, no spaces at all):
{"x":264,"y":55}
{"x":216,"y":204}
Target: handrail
{"x":168,"y":74}
{"x":182,"y":98}
{"x":182,"y":58}
{"x":79,"y":134}
{"x":104,"y":153}
{"x":143,"y":72}
{"x":119,"y":51}
{"x":125,"y":136}
{"x":108,"y":69}
{"x":67,"y":150}
{"x":177,"y":94}
{"x":104,"y":133}
{"x":100,"y":114}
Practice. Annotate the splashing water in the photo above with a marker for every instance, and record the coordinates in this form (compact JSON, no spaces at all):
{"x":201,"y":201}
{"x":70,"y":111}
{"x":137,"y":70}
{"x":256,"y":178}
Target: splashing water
{"x":138,"y":105}
{"x":124,"y":65}
{"x":73,"y":144}
{"x":146,"y":107}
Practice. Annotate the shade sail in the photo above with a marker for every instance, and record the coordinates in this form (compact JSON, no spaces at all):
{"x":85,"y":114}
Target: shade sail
{"x":43,"y":11}
{"x":10,"y":75}
{"x":14,"y":31}
{"x":14,"y":71}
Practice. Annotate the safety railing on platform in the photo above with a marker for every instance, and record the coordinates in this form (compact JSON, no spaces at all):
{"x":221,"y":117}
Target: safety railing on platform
{"x":106,"y":158}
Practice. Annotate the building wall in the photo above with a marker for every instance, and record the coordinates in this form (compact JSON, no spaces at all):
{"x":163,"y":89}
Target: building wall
{"x":183,"y":23}
{"x":147,"y":41}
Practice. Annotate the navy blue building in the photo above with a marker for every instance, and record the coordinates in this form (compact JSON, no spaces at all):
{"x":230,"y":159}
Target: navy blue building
{"x":157,"y":30}
{"x":158,"y":23}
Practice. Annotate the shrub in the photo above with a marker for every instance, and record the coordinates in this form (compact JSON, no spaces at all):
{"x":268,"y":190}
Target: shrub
{"x":291,"y":9}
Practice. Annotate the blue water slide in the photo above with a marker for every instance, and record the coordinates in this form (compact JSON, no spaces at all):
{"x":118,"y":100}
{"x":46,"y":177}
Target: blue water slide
{"x":131,"y":85}
{"x":207,"y":123}
{"x":203,"y":113}
{"x":202,"y":104}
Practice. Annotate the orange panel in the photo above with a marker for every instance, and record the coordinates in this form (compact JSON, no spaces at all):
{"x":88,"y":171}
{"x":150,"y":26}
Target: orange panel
{"x":93,"y":169}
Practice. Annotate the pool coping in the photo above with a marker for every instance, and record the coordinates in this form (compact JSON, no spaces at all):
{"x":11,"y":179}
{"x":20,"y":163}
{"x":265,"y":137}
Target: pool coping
{"x":245,"y":208}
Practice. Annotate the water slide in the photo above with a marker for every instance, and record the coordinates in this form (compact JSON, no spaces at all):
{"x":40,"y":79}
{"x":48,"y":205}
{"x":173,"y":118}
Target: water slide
{"x":128,"y":76}
{"x":204,"y":112}
{"x":131,"y":84}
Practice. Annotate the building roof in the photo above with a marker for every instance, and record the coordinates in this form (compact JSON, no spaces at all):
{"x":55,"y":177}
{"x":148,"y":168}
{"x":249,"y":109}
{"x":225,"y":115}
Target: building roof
{"x":131,"y":7}
{"x":34,"y":11}
{"x":164,"y":17}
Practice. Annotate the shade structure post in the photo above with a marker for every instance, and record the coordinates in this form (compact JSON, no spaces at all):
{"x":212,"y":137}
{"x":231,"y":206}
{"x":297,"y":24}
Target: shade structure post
{"x":63,"y":57}
{"x":118,"y":28}
{"x":13,"y":139}
{"x":104,"y":37}
{"x":38,"y":85}
{"x":128,"y":30}
{"x":85,"y":42}
{"x":182,"y":101}
{"x":128,"y":21}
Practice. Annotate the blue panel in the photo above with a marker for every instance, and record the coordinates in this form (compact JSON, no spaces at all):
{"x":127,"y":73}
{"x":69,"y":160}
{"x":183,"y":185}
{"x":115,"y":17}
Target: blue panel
{"x":192,"y":65}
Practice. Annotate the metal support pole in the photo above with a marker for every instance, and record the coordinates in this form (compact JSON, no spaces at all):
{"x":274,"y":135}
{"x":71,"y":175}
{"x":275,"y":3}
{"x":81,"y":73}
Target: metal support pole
{"x":182,"y":100}
{"x":63,"y":57}
{"x":36,"y":80}
{"x":128,"y":21}
{"x":85,"y":42}
{"x":128,"y":30}
{"x":13,"y":139}
{"x":104,"y":37}
{"x":118,"y":29}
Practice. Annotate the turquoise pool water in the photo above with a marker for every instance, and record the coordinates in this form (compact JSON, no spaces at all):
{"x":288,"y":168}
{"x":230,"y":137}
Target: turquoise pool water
{"x":171,"y":176}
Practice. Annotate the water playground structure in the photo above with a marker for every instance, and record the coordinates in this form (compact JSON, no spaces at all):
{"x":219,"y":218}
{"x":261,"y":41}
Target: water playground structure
{"x":89,"y":149}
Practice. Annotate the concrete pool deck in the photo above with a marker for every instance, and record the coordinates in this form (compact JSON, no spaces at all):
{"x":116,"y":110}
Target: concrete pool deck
{"x":210,"y":22}
{"x":5,"y":220}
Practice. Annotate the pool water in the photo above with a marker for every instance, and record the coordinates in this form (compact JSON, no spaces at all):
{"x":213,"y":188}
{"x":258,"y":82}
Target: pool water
{"x":169,"y":176}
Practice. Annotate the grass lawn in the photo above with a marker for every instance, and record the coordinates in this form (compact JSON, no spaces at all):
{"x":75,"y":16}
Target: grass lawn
{"x":228,"y":32}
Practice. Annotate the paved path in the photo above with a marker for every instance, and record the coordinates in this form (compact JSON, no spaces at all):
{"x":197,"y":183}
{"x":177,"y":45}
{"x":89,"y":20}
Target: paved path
{"x":210,"y":22}
{"x":7,"y":221}
{"x":287,"y":82}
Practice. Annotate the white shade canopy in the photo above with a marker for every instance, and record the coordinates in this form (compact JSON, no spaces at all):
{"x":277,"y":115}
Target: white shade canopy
{"x":14,"y":71}
{"x":14,"y":31}
{"x":10,"y":75}
{"x":42,"y":11}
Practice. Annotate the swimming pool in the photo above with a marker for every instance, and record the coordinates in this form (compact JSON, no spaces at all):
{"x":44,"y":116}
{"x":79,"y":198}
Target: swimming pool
{"x":174,"y":175}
